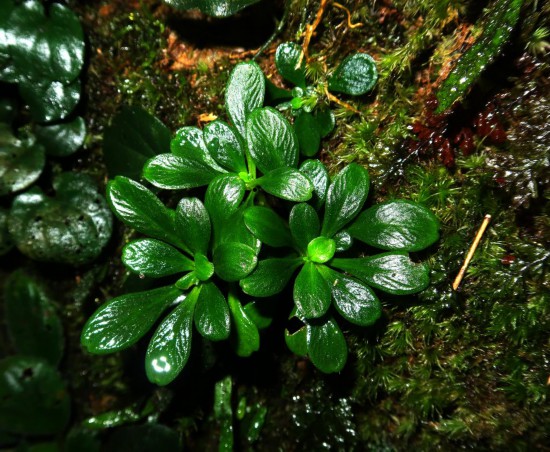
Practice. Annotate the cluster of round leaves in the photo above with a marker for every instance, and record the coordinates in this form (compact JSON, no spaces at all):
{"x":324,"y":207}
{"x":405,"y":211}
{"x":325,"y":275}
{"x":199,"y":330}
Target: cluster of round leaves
{"x":211,"y":249}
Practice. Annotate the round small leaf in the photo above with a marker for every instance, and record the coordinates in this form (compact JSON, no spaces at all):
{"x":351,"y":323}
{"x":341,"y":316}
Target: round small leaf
{"x":326,"y":346}
{"x":311,"y":292}
{"x":321,"y":249}
{"x":356,"y":75}
{"x":234,"y":261}
{"x":61,"y":140}
{"x":270,"y":277}
{"x":50,"y":101}
{"x":267,"y":226}
{"x":287,"y":183}
{"x":291,"y":64}
{"x":212,"y":313}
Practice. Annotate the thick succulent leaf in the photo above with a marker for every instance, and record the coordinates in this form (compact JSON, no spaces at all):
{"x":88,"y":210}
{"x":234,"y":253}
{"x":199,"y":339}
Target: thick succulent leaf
{"x":245,"y":92}
{"x":271,"y":140}
{"x":287,"y":183}
{"x":150,"y":257}
{"x":6,"y":242}
{"x":169,"y":171}
{"x":394,"y":273}
{"x":260,"y":313}
{"x":204,"y":269}
{"x":122,"y":321}
{"x":326,"y":346}
{"x":71,"y":228}
{"x":311,"y":292}
{"x":170,"y":346}
{"x":343,"y":241}
{"x":189,"y":143}
{"x":216,"y":8}
{"x":133,"y":137}
{"x":34,"y":398}
{"x":45,"y":46}
{"x":236,"y":231}
{"x":291,"y":64}
{"x":60,"y":140}
{"x":32,"y":322}
{"x":321,"y":249}
{"x":308,"y":133}
{"x":267,"y":226}
{"x":356,"y":75}
{"x":21,"y":161}
{"x":233,"y":261}
{"x":225,"y":146}
{"x":345,"y":198}
{"x":193,"y":225}
{"x":304,"y":225}
{"x":297,"y":341}
{"x":187,"y":281}
{"x":212,"y":313}
{"x":325,"y":121}
{"x":138,"y":207}
{"x":396,"y":225}
{"x":354,"y":300}
{"x":270,"y":277}
{"x":246,"y":338}
{"x":317,"y":174}
{"x":50,"y":101}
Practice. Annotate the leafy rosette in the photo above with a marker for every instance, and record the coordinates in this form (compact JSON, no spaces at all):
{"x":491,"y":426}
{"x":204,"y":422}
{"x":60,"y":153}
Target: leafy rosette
{"x":259,"y":139}
{"x":200,"y":245}
{"x":326,"y":284}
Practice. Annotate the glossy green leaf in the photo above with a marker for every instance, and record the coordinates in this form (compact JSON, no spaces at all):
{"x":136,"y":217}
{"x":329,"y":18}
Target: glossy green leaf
{"x":345,"y":198}
{"x":33,"y":324}
{"x":297,"y":341}
{"x":225,"y":146}
{"x":271,"y":140}
{"x":71,"y":228}
{"x":260,"y":313}
{"x":287,"y":183}
{"x":212,"y":313}
{"x":270,"y":277}
{"x":133,"y":137}
{"x":396,"y":225}
{"x":354,"y":300}
{"x":34,"y":398}
{"x":246,"y":338}
{"x":308,"y":133}
{"x":216,"y":8}
{"x":317,"y":174}
{"x":193,"y":224}
{"x":245,"y":92}
{"x":204,"y":269}
{"x":170,"y":346}
{"x":325,"y":121}
{"x":223,"y":413}
{"x":6,"y":242}
{"x":343,"y":241}
{"x":138,"y":207}
{"x":326,"y":346}
{"x":187,"y":281}
{"x":21,"y":161}
{"x":321,"y":249}
{"x":291,"y":64}
{"x":356,"y":75}
{"x":267,"y":226}
{"x":233,"y":261}
{"x":60,"y":140}
{"x":304,"y":225}
{"x":391,"y":272}
{"x":311,"y":292}
{"x":122,"y":321}
{"x":236,"y":231}
{"x":50,"y":101}
{"x":150,"y":257}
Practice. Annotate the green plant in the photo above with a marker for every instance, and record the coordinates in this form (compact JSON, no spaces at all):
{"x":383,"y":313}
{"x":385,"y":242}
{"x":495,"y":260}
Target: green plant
{"x":216,"y":8}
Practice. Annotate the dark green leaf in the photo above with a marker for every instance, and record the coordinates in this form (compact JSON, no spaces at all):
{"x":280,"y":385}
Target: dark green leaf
{"x":187,"y":281}
{"x":274,"y":94}
{"x":291,"y":63}
{"x":150,"y":257}
{"x":21,"y":161}
{"x":260,"y":313}
{"x":343,"y":241}
{"x":236,"y":231}
{"x":246,"y":339}
{"x":212,"y":313}
{"x":122,"y":321}
{"x":271,"y":140}
{"x":50,"y":101}
{"x":308,"y":133}
{"x":6,"y":242}
{"x":137,"y":207}
{"x":142,"y":438}
{"x":304,"y":225}
{"x":321,"y":249}
{"x":216,"y":8}
{"x":297,"y":341}
{"x":311,"y":292}
{"x":80,"y":439}
{"x":133,"y":137}
{"x":287,"y":183}
{"x":354,"y":300}
{"x":270,"y":277}
{"x":326,"y":346}
{"x":63,"y":139}
{"x":223,"y":413}
{"x":204,"y":269}
{"x":34,"y":398}
{"x":71,"y":228}
{"x":267,"y":226}
{"x":193,"y":225}
{"x":390,"y":272}
{"x":225,"y":146}
{"x":233,"y":261}
{"x":190,"y":145}
{"x":356,"y":75}
{"x":325,"y":121}
{"x":345,"y":198}
{"x":33,"y":324}
{"x":396,"y":225}
{"x":245,"y":92}
{"x":170,"y":346}
{"x":317,"y":174}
